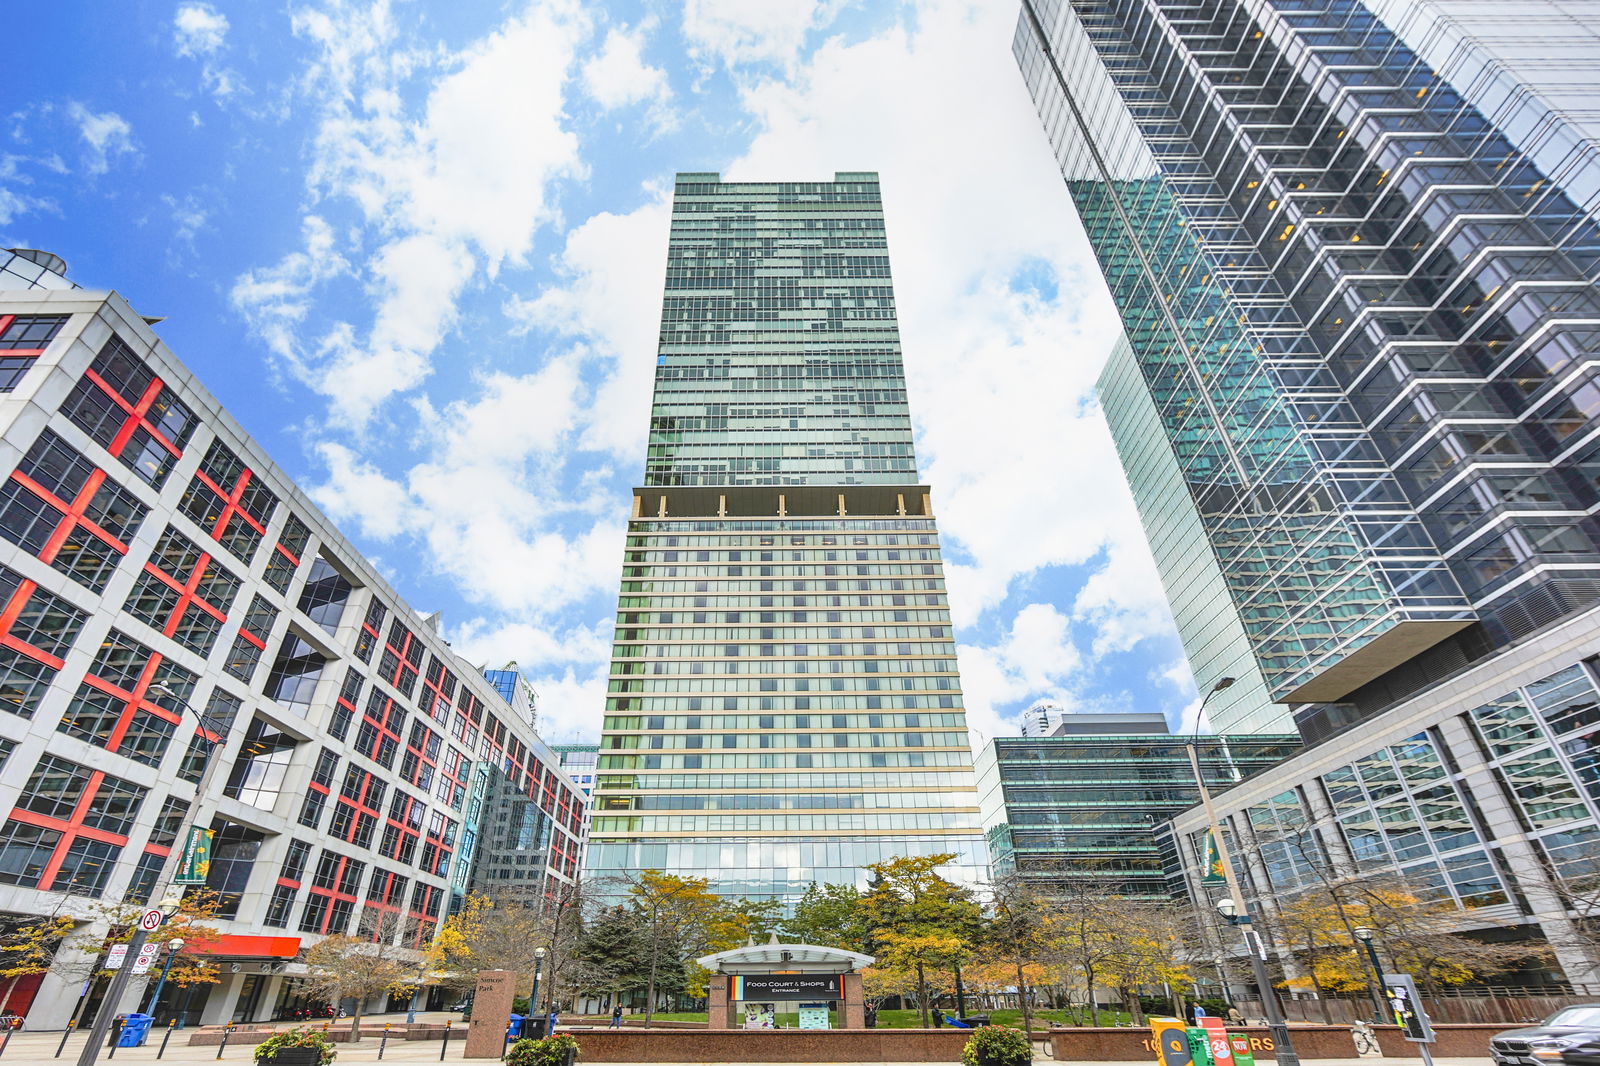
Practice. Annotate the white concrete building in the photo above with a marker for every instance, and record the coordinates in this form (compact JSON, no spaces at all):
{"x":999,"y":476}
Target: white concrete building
{"x":158,"y":570}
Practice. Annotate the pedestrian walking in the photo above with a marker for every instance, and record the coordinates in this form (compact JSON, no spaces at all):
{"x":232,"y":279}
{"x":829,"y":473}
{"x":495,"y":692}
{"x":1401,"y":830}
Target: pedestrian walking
{"x":616,"y":1016}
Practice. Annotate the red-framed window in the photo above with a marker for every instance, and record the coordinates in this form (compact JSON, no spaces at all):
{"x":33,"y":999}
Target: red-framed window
{"x":386,"y":897}
{"x":378,"y":736}
{"x":183,"y":592}
{"x":121,"y":404}
{"x":23,"y":338}
{"x":335,"y":885}
{"x":37,"y":629}
{"x":116,"y":707}
{"x":290,"y":878}
{"x":437,"y":845}
{"x":358,"y":808}
{"x":371,"y":634}
{"x":229,"y":502}
{"x":438,"y":690}
{"x":250,"y":642}
{"x":468,"y":720}
{"x":452,"y":787}
{"x":424,"y":915}
{"x":421,"y":757}
{"x":286,"y":554}
{"x":68,"y":828}
{"x":344,"y":709}
{"x":319,"y":788}
{"x":403,"y":829}
{"x":402,"y":658}
{"x":64,"y":509}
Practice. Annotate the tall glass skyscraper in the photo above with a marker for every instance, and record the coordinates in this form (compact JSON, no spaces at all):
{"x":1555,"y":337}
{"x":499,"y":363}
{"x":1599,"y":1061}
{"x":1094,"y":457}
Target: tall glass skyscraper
{"x":1366,"y":317}
{"x":784,"y":703}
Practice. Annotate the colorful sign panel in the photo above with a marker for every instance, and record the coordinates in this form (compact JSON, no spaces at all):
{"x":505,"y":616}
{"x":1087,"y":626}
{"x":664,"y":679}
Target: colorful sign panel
{"x":786,"y":986}
{"x":1172,"y":1041}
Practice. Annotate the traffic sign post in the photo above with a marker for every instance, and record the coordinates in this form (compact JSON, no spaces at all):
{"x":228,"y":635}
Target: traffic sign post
{"x":146,"y":957}
{"x":153,"y":916}
{"x":115,"y":955}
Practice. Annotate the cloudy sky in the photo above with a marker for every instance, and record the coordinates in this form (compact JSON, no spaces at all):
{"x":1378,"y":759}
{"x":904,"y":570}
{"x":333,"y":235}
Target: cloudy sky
{"x":417,"y":248}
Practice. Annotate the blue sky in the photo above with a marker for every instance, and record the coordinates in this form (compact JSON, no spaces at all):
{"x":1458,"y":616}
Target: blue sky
{"x":416,"y":248}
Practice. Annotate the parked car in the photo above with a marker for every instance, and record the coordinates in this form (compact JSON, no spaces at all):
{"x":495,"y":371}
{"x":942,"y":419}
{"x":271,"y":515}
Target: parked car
{"x":1584,"y":1053}
{"x":1543,"y":1044}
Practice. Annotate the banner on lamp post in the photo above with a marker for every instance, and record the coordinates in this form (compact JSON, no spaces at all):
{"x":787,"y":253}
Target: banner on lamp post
{"x":1213,"y":862}
{"x":195,"y":861}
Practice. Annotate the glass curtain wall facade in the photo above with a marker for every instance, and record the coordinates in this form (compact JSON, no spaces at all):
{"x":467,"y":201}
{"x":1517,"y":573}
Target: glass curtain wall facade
{"x":1214,"y":639}
{"x":784,"y":702}
{"x":1365,"y":316}
{"x":1079,"y":814}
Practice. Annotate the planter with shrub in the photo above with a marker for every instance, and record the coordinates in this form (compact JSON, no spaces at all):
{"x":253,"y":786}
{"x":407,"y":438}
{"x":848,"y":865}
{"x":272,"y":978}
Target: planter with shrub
{"x":296,"y":1047}
{"x":559,"y":1050}
{"x":997,"y":1045}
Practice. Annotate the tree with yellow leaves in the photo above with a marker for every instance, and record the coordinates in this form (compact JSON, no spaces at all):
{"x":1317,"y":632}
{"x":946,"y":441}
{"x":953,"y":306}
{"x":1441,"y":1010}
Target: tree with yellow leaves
{"x":29,"y":949}
{"x":676,"y":914}
{"x":915,"y":918}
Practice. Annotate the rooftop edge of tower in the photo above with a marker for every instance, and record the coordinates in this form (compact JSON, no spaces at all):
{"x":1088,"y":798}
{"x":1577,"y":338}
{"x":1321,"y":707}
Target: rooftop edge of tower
{"x":712,"y":177}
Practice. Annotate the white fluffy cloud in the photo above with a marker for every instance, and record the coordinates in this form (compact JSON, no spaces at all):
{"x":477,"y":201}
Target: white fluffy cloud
{"x":106,"y":136}
{"x":198,"y":30}
{"x":618,"y":76}
{"x":736,"y":32}
{"x":1035,"y":658}
{"x":448,"y":192}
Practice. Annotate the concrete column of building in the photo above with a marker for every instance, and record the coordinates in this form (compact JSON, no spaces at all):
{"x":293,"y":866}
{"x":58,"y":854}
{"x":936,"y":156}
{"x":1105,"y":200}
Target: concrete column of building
{"x":1523,"y":864}
{"x":855,"y":1003}
{"x":224,"y":996}
{"x":717,"y":1002}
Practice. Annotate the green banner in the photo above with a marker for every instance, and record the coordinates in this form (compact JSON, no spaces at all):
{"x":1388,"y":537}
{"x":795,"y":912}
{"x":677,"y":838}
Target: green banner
{"x":1213,"y":863}
{"x":195,"y":862}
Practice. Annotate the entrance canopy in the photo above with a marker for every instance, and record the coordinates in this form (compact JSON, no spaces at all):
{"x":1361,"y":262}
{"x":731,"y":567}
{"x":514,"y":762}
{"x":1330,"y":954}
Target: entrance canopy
{"x":789,"y":958}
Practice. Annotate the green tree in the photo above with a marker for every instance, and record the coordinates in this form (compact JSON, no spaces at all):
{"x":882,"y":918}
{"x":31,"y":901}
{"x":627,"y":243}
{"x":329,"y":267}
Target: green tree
{"x":917,"y":918}
{"x":678,"y":914}
{"x":613,"y":954}
{"x":830,"y":916}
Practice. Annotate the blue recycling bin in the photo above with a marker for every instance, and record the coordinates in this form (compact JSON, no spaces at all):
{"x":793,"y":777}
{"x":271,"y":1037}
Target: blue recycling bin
{"x":135,"y":1028}
{"x":516,"y":1026}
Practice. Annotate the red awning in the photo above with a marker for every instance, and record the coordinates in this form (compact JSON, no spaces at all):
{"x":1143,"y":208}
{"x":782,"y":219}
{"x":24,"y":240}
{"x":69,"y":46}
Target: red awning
{"x":261,"y":947}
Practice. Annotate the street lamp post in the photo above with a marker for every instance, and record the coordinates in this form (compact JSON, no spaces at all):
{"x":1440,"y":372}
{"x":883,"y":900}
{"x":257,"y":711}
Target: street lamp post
{"x":533,"y":999}
{"x":174,"y":946}
{"x":1364,"y":935}
{"x":158,"y":896}
{"x":1233,"y":908}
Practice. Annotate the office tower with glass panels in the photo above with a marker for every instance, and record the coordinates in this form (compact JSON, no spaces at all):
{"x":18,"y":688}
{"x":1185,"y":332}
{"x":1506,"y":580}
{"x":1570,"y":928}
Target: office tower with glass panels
{"x":784,"y":705}
{"x":1365,"y":316}
{"x":1356,"y":266}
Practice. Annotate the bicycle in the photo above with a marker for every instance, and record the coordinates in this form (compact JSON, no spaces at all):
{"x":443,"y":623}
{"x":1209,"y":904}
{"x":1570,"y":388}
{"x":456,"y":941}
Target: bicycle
{"x":1366,"y":1040}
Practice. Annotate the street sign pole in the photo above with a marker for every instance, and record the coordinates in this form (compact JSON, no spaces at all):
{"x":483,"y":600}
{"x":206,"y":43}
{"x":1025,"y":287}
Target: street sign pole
{"x":119,"y":983}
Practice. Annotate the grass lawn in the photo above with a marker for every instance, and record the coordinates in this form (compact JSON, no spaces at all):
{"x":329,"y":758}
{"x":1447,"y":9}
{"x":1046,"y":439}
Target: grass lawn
{"x":908,"y":1019}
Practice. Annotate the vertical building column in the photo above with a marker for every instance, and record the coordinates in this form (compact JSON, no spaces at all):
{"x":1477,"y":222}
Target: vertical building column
{"x":717,"y":1002}
{"x":1522,"y":862}
{"x":224,"y":996}
{"x":855,"y":1003}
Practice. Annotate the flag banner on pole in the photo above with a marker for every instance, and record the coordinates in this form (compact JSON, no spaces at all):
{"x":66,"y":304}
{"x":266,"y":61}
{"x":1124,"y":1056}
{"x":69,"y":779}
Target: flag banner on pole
{"x":196,"y":860}
{"x":1213,"y":874}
